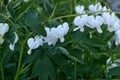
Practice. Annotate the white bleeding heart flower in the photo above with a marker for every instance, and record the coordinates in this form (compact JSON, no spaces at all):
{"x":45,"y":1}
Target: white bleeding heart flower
{"x":53,"y":34}
{"x":62,"y":30}
{"x":80,"y":9}
{"x":116,"y":26}
{"x":95,"y":22}
{"x":34,"y":43}
{"x":12,"y":45}
{"x":80,"y":21}
{"x":110,"y":19}
{"x":4,"y":27}
{"x":95,"y":8}
{"x":51,"y":37}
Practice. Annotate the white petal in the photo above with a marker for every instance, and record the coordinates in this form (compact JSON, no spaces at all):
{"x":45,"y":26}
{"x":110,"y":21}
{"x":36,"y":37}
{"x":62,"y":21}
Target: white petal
{"x":16,"y":38}
{"x":75,"y":29}
{"x":30,"y":42}
{"x":1,"y":41}
{"x":62,"y":39}
{"x":99,"y":30}
{"x":79,"y":9}
{"x":29,"y":51}
{"x":91,"y":7}
{"x":11,"y":47}
{"x":6,"y":27}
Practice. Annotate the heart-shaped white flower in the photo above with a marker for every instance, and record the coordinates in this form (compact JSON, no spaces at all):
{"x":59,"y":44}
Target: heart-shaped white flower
{"x":34,"y":43}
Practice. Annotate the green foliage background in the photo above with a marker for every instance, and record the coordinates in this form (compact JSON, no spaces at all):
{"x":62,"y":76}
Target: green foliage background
{"x":79,"y":57}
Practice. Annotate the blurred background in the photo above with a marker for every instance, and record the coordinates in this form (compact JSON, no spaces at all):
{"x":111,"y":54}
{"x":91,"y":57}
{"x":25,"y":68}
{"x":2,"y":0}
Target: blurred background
{"x":114,"y":4}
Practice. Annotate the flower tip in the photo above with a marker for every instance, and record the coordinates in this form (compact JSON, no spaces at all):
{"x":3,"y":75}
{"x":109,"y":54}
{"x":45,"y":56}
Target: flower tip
{"x":11,"y":47}
{"x":1,"y":41}
{"x":29,"y":52}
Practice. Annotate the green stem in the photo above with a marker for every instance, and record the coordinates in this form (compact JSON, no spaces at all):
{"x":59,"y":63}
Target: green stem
{"x":7,"y":18}
{"x":73,"y":15}
{"x":19,"y":63}
{"x":53,"y":12}
{"x":26,"y":68}
{"x":25,"y":11}
{"x":20,"y":59}
{"x":1,"y":64}
{"x":2,"y":71}
{"x":75,"y":76}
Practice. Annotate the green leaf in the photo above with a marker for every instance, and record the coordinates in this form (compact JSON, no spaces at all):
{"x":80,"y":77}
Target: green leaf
{"x":43,"y":68}
{"x":30,"y":58}
{"x":64,"y":51}
{"x":114,"y":71}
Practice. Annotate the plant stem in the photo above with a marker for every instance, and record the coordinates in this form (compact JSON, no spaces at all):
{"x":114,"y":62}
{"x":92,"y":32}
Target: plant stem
{"x":53,"y":12}
{"x":20,"y":58}
{"x":73,"y":15}
{"x":75,"y":75}
{"x":26,"y":68}
{"x":25,"y":10}
{"x":19,"y":63}
{"x":7,"y":18}
{"x":2,"y":71}
{"x":1,"y":64}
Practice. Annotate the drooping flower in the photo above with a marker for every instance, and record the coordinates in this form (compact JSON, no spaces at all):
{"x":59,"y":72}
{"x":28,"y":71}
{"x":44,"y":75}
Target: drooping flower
{"x":62,"y":30}
{"x":34,"y":43}
{"x":110,"y":19}
{"x":95,"y":22}
{"x":51,"y":37}
{"x":116,"y":26}
{"x":53,"y":34}
{"x":12,"y":45}
{"x":4,"y":27}
{"x":80,"y":21}
{"x":95,"y":8}
{"x":80,"y":9}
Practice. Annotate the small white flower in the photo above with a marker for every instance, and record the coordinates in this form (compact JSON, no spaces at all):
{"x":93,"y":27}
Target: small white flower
{"x":110,"y":19}
{"x":34,"y":43}
{"x":80,"y":9}
{"x":80,"y":21}
{"x":95,"y":8}
{"x":53,"y":34}
{"x":12,"y":45}
{"x":62,"y":30}
{"x":51,"y":37}
{"x":95,"y":22}
{"x":4,"y":27}
{"x":116,"y":26}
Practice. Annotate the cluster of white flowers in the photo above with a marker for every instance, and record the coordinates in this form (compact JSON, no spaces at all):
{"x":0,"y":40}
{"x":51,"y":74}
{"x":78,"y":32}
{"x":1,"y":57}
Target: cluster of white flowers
{"x":53,"y":34}
{"x":4,"y":27}
{"x":102,"y":16}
